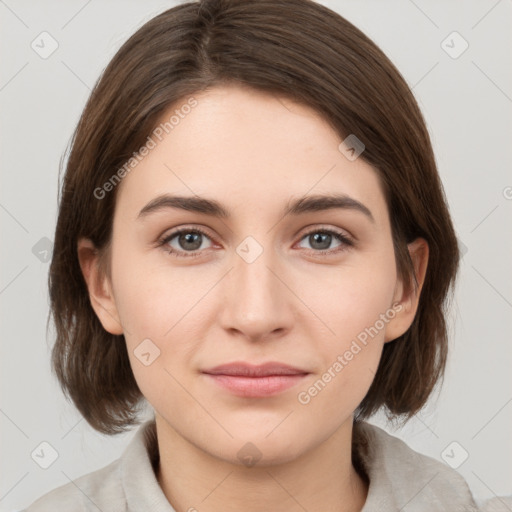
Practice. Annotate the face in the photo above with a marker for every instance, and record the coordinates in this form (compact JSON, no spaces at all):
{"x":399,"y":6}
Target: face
{"x":313,"y":289}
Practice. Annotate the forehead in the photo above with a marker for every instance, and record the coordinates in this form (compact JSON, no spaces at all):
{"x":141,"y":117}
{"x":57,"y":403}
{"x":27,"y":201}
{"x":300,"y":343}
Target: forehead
{"x":247,"y":149}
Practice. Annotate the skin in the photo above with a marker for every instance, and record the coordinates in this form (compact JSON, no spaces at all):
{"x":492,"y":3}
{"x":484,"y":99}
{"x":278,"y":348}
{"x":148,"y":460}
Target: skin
{"x":253,"y":152}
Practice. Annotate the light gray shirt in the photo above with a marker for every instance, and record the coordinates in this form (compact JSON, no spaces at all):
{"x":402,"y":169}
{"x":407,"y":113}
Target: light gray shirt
{"x":400,"y":479}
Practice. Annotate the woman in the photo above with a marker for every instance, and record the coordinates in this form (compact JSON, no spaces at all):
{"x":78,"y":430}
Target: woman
{"x":254,"y":239}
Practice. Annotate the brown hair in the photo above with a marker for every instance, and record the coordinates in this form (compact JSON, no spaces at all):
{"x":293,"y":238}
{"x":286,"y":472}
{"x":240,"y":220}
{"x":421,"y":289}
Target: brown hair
{"x":293,"y":48}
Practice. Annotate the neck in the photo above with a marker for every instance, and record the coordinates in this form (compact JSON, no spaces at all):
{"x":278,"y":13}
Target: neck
{"x":322,"y":479}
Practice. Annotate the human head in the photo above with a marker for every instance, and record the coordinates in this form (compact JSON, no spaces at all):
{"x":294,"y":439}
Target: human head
{"x":325,"y":64}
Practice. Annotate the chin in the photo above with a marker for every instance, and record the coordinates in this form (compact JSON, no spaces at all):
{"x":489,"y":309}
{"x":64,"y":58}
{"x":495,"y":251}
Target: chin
{"x":262,"y":450}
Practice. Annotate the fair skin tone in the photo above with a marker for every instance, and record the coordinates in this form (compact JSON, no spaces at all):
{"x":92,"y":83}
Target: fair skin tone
{"x":253,"y":153}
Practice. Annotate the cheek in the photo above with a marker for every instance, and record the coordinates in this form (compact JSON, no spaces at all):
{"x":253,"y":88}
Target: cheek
{"x":355,"y":306}
{"x":350,"y":299}
{"x":159,"y":308}
{"x":152,"y":298}
{"x":351,"y":355}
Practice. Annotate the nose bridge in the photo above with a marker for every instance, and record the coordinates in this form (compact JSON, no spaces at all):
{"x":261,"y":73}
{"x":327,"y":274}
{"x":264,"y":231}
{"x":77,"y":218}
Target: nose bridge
{"x":256,"y":301}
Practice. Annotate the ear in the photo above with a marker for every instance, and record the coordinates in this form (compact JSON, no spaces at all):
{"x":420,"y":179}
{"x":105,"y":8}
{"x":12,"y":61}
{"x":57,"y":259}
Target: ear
{"x":99,"y":286}
{"x":406,"y":301}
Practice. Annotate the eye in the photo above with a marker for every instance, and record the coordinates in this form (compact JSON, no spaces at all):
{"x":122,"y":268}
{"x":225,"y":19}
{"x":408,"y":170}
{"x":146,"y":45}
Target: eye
{"x":190,"y":242}
{"x":189,"y":239}
{"x":321,"y":239}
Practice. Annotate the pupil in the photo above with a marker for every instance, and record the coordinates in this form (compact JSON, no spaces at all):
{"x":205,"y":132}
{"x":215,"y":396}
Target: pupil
{"x":320,"y":235}
{"x":187,"y":240}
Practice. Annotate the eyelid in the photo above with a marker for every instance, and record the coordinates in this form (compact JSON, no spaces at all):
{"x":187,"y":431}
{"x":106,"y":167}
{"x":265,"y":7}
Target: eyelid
{"x":312,"y":228}
{"x":305,"y":230}
{"x":168,"y":235}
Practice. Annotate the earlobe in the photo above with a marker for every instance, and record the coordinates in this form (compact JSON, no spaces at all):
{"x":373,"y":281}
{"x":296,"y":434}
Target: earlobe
{"x":408,"y":299}
{"x":99,"y":287}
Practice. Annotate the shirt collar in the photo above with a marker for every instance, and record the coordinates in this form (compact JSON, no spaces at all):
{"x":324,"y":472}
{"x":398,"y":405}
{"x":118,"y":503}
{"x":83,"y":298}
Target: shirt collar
{"x":138,"y":472}
{"x":399,"y":477}
{"x":403,"y":479}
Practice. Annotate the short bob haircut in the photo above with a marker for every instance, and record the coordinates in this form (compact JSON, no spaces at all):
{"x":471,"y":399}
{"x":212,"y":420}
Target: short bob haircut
{"x":296,"y":49}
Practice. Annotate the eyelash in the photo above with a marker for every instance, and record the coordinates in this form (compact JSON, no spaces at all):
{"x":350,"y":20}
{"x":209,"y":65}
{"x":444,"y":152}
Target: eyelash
{"x":346,"y":242}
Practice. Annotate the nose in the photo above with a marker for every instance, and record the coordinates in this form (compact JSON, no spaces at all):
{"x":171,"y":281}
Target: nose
{"x":258,"y":301}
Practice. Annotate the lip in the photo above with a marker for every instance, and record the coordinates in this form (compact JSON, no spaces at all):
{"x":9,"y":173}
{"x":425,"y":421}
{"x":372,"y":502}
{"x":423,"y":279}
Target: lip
{"x":255,"y":381}
{"x":243,"y":369}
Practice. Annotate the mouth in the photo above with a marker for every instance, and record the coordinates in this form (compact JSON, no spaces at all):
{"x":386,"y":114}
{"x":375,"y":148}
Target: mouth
{"x":255,"y":381}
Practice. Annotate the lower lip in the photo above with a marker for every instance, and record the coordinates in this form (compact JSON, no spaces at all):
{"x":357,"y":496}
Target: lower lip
{"x":256,"y":387}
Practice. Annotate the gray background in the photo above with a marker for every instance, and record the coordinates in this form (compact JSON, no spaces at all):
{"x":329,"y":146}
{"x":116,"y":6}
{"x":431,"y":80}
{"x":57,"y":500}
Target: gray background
{"x":467,"y":103}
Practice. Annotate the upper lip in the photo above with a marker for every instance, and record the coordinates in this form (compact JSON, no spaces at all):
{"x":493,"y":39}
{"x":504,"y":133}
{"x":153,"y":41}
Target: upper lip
{"x":249,"y":370}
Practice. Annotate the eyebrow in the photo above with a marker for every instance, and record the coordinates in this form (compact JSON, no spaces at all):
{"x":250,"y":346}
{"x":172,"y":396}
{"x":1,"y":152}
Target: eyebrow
{"x":305,"y":204}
